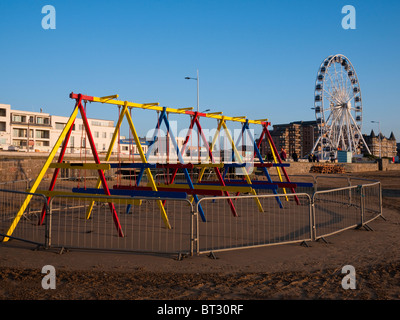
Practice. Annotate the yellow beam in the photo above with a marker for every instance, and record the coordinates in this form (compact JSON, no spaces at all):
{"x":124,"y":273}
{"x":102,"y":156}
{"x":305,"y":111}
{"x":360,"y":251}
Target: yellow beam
{"x":172,"y":110}
{"x":88,"y":166}
{"x":106,"y":98}
{"x":42,"y":173}
{"x":90,"y":197}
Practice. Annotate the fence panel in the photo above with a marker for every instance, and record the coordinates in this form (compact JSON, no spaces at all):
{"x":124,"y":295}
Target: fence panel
{"x":142,"y":225}
{"x":337,"y":210}
{"x":26,"y":227}
{"x":251,"y":228}
{"x":372,"y":201}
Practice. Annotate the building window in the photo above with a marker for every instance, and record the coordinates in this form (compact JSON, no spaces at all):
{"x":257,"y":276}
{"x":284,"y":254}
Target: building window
{"x":96,"y":134}
{"x":3,"y":112}
{"x":60,"y":125}
{"x":16,"y":118}
{"x":104,"y":134}
{"x":19,"y":133}
{"x":42,"y":134}
{"x":2,"y":126}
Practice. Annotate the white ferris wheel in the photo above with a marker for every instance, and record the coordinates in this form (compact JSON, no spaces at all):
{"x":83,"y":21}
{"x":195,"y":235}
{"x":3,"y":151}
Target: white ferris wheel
{"x":338,"y":108}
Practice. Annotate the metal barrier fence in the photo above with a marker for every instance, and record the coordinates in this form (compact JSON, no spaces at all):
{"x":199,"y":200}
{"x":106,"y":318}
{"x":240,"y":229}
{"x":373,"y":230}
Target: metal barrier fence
{"x":280,"y":219}
{"x":27,"y":228}
{"x":345,"y":208}
{"x":142,"y":226}
{"x":260,"y":220}
{"x":16,"y":185}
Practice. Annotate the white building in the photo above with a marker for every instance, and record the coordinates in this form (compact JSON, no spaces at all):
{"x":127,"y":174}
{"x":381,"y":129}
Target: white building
{"x":5,"y":137}
{"x":44,"y":130}
{"x":102,"y":132}
{"x":37,"y":124}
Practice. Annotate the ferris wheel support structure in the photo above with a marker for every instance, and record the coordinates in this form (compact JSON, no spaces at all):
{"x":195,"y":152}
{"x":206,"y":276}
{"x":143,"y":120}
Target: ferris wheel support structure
{"x":338,"y":109}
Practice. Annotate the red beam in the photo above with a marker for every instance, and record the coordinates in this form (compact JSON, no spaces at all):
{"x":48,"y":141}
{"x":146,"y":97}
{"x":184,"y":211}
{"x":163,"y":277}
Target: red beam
{"x":76,"y":96}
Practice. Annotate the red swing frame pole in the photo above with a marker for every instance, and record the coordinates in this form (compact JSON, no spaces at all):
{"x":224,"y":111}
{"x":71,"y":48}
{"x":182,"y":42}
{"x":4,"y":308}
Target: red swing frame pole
{"x":217,"y":172}
{"x":97,"y":161}
{"x":195,"y":121}
{"x":56,"y":171}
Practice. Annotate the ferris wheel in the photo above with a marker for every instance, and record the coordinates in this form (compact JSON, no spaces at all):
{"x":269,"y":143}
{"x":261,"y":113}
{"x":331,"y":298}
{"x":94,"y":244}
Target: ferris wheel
{"x":338,"y":108}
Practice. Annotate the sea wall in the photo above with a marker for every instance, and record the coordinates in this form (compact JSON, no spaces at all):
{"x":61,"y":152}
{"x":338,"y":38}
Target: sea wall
{"x":22,"y":166}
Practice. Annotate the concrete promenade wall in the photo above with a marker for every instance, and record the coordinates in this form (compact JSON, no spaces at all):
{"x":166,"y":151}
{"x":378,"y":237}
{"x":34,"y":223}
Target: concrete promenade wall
{"x":21,"y":166}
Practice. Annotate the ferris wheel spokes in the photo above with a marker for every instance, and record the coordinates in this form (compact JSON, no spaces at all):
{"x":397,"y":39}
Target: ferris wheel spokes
{"x":338,"y":107}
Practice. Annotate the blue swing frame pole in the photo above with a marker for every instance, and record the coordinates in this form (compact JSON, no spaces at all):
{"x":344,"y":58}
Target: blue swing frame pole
{"x":163,"y":118}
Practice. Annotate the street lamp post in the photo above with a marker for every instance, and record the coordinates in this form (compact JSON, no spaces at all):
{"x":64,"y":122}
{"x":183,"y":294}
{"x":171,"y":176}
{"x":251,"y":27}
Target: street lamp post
{"x":380,"y":138}
{"x":197,"y":79}
{"x":198,"y":134}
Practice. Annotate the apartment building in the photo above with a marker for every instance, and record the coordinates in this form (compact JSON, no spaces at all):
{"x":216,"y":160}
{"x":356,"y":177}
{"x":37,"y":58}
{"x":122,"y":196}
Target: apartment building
{"x":5,"y":137}
{"x":29,"y":131}
{"x":298,"y":137}
{"x":381,"y":146}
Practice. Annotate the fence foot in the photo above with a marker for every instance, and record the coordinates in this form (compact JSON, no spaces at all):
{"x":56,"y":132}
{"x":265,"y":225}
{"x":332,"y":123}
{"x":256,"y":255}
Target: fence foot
{"x":323,"y":239}
{"x":367,"y":227}
{"x":62,"y":250}
{"x":304,"y":244}
{"x":39,"y":246}
{"x":181,"y":256}
{"x":383,"y":217}
{"x":211,"y":255}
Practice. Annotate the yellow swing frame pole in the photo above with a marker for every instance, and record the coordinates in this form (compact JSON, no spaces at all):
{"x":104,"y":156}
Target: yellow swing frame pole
{"x":144,"y":160}
{"x":42,"y":173}
{"x":203,"y":169}
{"x":107,"y":158}
{"x":277,"y":168}
{"x":222,"y":124}
{"x":239,"y":157}
{"x":125,"y":112}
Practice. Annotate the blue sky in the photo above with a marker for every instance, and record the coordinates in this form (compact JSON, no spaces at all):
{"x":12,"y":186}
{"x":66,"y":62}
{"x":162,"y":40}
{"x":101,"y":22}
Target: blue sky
{"x":255,"y":58}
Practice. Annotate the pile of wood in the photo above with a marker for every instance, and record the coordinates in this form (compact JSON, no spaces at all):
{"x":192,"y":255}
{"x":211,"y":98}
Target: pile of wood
{"x":327,"y":168}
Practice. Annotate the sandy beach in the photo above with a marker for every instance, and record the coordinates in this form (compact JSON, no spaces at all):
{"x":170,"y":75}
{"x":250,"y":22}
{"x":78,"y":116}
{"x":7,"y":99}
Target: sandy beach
{"x":283,"y":272}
